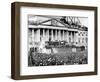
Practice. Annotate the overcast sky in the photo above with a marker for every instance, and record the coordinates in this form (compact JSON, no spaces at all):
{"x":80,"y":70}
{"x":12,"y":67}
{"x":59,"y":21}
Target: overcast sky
{"x":83,"y":20}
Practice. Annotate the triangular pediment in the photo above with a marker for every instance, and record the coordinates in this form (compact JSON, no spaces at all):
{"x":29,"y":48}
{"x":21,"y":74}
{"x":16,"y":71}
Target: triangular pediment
{"x":52,"y":22}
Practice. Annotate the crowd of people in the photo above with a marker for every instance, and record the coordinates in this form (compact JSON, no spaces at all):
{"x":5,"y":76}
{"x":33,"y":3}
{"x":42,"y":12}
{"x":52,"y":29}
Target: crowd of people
{"x":42,"y":59}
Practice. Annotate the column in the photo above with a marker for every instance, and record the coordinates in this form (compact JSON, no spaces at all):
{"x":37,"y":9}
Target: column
{"x":74,"y":37}
{"x":59,"y":35}
{"x":71,"y":37}
{"x":43,"y":34}
{"x":38,"y":35}
{"x":56,"y":34}
{"x":63,"y":35}
{"x":33,"y":37}
{"x":36,"y":32}
{"x":48,"y":35}
{"x":68,"y":36}
{"x":52,"y":36}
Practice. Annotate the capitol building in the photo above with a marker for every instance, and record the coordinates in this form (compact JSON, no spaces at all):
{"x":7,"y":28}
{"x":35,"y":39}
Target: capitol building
{"x":62,"y":29}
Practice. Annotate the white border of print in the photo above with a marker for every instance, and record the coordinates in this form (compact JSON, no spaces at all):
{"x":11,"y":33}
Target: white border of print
{"x":25,"y":70}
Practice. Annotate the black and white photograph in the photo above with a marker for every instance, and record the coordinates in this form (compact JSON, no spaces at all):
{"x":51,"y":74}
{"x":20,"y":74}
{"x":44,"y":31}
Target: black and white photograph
{"x":57,"y":40}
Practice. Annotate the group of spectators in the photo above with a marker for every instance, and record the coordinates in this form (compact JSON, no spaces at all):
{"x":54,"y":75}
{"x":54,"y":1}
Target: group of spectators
{"x":42,"y":59}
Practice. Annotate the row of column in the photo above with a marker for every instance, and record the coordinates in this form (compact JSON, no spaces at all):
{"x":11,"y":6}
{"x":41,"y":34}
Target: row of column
{"x":55,"y":34}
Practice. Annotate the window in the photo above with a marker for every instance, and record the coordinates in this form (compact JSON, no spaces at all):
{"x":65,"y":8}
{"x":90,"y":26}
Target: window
{"x":82,"y":34}
{"x":79,"y":40}
{"x":82,"y":40}
{"x":86,"y":34}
